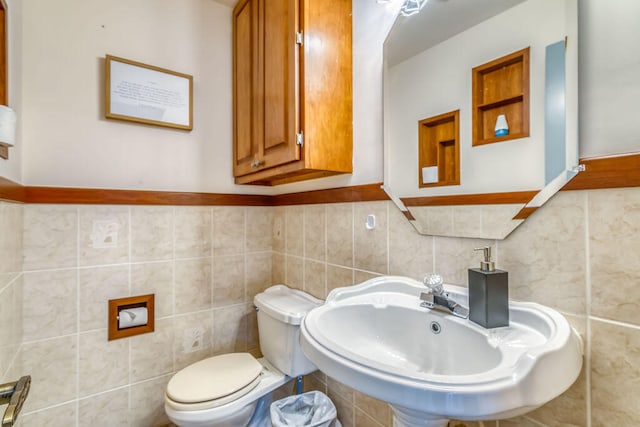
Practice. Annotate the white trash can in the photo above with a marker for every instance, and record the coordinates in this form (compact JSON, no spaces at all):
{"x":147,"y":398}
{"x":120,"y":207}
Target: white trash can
{"x":311,"y":409}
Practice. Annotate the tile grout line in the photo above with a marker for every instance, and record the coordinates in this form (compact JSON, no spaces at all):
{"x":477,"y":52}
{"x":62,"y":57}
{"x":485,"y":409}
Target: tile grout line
{"x":388,"y":229}
{"x":78,"y":290}
{"x":587,"y":350}
{"x":615,"y":323}
{"x":326,"y":252}
{"x":303,"y":210}
{"x":130,"y":292}
{"x":353,"y":242}
{"x":173,"y":285}
{"x":433,"y":253}
{"x":211,"y":257}
{"x":245,"y":238}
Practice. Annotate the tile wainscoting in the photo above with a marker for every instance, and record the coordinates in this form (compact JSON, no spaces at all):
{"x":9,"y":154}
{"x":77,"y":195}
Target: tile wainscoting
{"x":204,"y":265}
{"x":579,"y":254}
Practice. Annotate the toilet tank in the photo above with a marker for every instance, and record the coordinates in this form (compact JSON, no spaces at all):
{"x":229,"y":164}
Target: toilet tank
{"x":280,"y":311}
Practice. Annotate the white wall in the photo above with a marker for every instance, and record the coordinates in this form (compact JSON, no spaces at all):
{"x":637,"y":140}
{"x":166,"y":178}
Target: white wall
{"x":57,"y":81}
{"x":609,"y":77}
{"x":12,"y":168}
{"x":68,"y":142}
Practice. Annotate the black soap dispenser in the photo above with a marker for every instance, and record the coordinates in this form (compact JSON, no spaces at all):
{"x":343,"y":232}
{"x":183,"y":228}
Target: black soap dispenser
{"x":488,"y":294}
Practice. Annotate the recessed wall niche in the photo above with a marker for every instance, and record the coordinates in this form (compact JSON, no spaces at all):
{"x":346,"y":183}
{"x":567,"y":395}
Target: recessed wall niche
{"x":439,"y":150}
{"x":501,"y":87}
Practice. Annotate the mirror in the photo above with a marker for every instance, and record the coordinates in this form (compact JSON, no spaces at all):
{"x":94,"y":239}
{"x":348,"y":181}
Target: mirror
{"x":449,"y":72}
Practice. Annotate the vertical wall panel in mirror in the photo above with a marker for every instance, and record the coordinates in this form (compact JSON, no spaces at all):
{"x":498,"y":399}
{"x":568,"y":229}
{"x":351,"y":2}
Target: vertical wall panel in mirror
{"x":429,"y":59}
{"x":555,"y":117}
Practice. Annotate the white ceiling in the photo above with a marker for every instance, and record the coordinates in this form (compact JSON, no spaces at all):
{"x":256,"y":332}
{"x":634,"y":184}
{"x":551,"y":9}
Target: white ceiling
{"x":438,"y":21}
{"x":231,"y":3}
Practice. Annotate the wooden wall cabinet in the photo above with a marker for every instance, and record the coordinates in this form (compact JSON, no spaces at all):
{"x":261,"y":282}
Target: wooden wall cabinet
{"x":292,"y":90}
{"x":439,"y":147}
{"x":501,"y":87}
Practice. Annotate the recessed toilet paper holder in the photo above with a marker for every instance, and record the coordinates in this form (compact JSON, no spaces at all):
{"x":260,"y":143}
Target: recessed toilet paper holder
{"x":131,"y":316}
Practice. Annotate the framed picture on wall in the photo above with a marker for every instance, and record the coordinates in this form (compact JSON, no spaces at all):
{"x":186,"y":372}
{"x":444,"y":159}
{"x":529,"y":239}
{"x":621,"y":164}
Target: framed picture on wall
{"x":146,"y":94}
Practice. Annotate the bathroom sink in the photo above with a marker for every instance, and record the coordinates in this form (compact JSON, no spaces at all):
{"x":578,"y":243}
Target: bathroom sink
{"x":432,"y":366}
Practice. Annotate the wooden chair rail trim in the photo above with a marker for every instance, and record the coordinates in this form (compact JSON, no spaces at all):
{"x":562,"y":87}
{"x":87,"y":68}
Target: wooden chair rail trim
{"x":525,"y":213}
{"x":600,"y":173}
{"x":607,"y":172}
{"x":137,"y":197}
{"x":357,"y":193}
{"x":471,"y":199}
{"x":11,"y":191}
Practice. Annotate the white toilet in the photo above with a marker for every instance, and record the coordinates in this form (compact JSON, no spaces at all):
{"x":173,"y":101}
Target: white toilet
{"x":234,"y":390}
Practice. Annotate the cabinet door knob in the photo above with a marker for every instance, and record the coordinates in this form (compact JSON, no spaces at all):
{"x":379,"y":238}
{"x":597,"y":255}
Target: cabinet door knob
{"x":257,"y":163}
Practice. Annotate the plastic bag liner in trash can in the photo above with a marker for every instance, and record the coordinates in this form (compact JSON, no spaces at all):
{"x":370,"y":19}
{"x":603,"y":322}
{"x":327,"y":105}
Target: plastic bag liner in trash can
{"x":313,"y":408}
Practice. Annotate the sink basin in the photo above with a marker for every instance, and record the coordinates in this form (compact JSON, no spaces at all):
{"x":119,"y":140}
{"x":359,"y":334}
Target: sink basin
{"x":432,"y":366}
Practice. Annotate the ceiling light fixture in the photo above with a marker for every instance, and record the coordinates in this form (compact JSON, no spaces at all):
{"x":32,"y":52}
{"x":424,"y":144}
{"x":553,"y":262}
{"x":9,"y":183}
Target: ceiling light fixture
{"x":411,"y":7}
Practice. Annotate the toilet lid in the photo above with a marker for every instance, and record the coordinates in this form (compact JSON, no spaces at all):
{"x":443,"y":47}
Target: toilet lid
{"x":213,"y":378}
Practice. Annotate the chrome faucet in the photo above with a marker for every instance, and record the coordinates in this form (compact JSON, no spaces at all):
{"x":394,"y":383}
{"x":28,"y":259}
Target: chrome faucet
{"x":437,"y":299}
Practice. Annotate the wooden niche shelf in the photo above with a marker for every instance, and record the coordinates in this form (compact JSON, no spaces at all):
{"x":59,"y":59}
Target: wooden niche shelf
{"x":501,"y":87}
{"x":439,"y":150}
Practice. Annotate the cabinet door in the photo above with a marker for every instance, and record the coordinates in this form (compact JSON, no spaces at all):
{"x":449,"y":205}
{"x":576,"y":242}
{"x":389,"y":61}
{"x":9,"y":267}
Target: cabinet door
{"x":245,"y":87}
{"x":265,"y":84}
{"x":280,"y":81}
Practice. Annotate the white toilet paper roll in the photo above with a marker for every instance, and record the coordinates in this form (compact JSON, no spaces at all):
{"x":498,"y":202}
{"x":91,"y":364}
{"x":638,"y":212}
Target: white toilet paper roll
{"x":429,"y":174}
{"x":131,"y":317}
{"x":7,"y":126}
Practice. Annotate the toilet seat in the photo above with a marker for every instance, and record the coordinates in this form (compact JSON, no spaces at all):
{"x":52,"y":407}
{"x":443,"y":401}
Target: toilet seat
{"x":214,"y":381}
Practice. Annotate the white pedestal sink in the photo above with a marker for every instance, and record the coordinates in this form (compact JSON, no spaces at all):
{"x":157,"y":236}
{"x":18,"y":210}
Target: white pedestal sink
{"x":431,"y":366}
